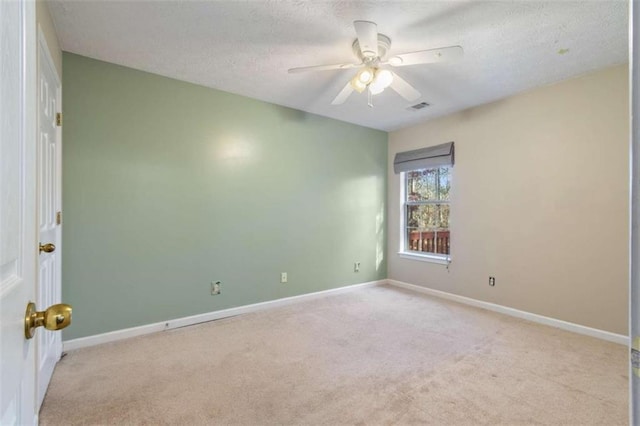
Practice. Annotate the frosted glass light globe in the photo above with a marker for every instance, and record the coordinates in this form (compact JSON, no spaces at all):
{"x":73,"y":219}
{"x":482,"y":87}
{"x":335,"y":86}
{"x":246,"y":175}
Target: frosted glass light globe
{"x":375,"y":89}
{"x":384,"y":78}
{"x":365,"y":76}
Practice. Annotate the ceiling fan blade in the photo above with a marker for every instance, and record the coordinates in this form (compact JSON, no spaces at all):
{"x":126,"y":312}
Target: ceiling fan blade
{"x":404,"y":89}
{"x":443,"y":54}
{"x":324,"y":68}
{"x":343,"y":95}
{"x":367,"y":38}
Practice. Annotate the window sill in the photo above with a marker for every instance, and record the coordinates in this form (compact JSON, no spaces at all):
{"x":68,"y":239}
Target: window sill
{"x":425,"y":257}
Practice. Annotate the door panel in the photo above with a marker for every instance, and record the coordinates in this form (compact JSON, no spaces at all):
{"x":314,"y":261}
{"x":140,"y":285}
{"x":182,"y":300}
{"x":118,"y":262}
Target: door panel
{"x":49,"y":291}
{"x":17,"y":208}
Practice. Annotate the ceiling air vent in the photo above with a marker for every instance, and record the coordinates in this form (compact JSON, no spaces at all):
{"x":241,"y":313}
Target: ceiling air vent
{"x":419,"y":106}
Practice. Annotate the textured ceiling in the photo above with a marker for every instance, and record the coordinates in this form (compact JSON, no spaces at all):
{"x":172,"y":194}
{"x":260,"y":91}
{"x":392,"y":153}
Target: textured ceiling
{"x":246,"y":47}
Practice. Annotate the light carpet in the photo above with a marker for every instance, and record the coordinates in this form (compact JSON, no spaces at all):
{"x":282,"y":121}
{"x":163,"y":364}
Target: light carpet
{"x":377,"y":355}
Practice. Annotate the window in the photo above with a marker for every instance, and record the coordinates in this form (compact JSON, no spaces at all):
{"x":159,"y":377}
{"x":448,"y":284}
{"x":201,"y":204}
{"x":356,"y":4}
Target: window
{"x":426,"y":211}
{"x":426,"y":184}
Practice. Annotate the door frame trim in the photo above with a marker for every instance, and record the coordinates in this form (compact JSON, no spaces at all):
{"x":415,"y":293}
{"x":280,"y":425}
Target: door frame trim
{"x":42,"y":42}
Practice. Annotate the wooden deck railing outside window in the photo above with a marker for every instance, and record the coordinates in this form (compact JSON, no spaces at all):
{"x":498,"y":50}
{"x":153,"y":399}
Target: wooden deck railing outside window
{"x":429,"y":241}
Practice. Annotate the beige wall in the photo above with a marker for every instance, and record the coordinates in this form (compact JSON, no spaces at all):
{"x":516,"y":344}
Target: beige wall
{"x":539,"y":200}
{"x":46,"y":24}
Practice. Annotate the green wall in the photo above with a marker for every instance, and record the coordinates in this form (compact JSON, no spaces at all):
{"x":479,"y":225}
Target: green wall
{"x":168,"y":186}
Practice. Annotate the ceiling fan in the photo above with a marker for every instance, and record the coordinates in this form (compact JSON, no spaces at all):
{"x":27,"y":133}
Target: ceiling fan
{"x":371,"y":49}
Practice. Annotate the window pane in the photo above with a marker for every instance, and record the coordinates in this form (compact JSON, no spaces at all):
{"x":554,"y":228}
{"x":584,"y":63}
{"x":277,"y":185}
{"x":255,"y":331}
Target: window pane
{"x":421,"y":185}
{"x":430,"y":216}
{"x":428,"y":228}
{"x":427,"y":225}
{"x":423,"y":217}
{"x":429,"y":184}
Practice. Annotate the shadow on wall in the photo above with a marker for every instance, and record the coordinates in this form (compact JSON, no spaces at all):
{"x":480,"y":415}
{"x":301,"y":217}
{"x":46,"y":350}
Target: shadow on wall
{"x":294,"y":115}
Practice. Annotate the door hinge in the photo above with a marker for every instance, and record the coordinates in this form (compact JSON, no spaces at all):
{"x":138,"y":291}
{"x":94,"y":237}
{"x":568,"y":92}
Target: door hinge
{"x":59,"y":119}
{"x":59,"y":218}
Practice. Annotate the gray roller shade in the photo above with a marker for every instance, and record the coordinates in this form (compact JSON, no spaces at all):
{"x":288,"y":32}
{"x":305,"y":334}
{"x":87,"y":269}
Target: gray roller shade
{"x":424,"y":158}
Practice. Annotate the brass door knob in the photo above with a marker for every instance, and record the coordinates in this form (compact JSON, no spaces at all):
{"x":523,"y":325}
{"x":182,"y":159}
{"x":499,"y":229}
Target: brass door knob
{"x":47,"y":248}
{"x":56,"y":317}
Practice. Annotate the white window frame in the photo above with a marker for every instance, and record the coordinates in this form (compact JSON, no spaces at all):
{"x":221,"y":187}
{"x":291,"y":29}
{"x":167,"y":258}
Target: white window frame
{"x":442,"y":259}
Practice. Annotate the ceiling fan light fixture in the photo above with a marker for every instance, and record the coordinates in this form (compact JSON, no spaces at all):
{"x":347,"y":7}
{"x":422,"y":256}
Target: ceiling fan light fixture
{"x":371,"y":48}
{"x":381,"y":81}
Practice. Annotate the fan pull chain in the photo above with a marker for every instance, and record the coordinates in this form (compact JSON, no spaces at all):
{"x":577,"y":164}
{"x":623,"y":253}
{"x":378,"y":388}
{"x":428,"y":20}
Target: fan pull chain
{"x":369,"y":99}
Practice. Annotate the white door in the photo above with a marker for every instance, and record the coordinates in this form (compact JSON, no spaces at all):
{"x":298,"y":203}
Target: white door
{"x":18,"y":249}
{"x":49,"y":183}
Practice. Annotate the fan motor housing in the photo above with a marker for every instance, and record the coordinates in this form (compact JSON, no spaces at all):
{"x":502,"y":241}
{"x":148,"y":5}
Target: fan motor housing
{"x":384,"y":43}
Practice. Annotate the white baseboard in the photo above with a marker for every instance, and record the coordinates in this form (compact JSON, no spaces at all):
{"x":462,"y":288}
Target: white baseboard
{"x":126,"y":333}
{"x":569,"y":326}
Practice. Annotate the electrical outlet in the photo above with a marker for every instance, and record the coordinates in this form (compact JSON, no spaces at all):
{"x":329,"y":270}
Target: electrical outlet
{"x":215,"y":287}
{"x":492,"y":281}
{"x":356,"y":267}
{"x":283,"y":277}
